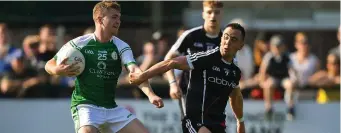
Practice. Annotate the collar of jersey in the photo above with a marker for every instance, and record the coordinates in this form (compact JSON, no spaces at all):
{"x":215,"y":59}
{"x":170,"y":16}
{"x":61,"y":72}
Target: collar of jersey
{"x":228,"y":63}
{"x":94,"y":37}
{"x":210,"y":36}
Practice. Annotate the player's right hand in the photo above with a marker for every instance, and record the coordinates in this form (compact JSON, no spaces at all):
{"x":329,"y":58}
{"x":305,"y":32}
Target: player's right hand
{"x":175,"y":91}
{"x":64,"y":69}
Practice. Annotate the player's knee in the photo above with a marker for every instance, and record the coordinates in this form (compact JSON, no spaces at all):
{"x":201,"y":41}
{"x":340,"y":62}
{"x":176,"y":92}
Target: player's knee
{"x":88,"y":129}
{"x":204,"y":129}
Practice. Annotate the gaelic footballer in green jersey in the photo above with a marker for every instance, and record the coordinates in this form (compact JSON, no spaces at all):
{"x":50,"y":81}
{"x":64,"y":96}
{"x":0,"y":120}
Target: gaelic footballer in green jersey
{"x":96,"y":85}
{"x":93,"y":101}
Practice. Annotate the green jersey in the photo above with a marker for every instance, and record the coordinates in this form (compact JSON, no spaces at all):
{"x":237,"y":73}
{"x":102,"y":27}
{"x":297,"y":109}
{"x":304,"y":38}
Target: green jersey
{"x":103,"y":65}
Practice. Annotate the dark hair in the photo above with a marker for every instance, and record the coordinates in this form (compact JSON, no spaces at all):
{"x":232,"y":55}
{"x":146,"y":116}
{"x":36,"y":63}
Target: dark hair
{"x":182,"y":28}
{"x":48,"y":26}
{"x":238,"y":27}
{"x":337,"y":58}
{"x":263,"y":36}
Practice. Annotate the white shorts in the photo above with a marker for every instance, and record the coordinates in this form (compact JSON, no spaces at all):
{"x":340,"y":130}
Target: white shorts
{"x":105,"y":120}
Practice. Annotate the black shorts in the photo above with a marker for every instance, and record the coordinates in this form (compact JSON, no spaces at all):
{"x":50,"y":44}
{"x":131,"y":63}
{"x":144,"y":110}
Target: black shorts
{"x":193,"y":126}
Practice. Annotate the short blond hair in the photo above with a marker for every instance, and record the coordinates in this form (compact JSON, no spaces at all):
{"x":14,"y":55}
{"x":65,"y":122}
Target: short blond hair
{"x":101,"y":7}
{"x":212,"y":3}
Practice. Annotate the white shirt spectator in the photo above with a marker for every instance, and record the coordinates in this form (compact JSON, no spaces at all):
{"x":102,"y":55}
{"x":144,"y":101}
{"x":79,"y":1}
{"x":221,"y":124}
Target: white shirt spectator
{"x":304,"y":69}
{"x":245,"y":62}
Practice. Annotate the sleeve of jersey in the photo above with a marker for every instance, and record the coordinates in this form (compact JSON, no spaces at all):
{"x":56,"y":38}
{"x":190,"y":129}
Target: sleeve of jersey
{"x":127,"y":57}
{"x":64,"y":47}
{"x":180,"y":44}
{"x":197,"y":60}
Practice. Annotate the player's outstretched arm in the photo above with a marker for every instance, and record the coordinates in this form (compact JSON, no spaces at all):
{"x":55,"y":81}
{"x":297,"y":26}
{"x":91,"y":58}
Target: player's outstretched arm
{"x":236,"y":103}
{"x":161,"y":67}
{"x":146,"y":88}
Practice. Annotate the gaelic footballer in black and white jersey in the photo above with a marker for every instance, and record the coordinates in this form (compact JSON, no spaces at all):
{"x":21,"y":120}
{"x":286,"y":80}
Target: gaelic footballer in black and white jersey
{"x":213,"y":81}
{"x":198,"y":39}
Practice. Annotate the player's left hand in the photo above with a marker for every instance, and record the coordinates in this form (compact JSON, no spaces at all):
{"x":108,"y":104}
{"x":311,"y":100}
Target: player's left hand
{"x":134,"y":78}
{"x":156,"y":100}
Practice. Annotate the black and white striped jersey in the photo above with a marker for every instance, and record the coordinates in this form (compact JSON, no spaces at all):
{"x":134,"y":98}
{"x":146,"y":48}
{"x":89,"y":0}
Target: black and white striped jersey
{"x":211,"y":81}
{"x":192,"y":41}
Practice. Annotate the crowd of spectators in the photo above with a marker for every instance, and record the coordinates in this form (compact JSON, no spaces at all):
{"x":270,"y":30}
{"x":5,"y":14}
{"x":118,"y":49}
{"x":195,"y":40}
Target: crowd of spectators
{"x":269,"y":70}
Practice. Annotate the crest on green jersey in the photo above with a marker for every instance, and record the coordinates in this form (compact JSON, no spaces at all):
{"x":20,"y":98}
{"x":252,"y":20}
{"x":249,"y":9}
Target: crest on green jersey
{"x":114,"y":55}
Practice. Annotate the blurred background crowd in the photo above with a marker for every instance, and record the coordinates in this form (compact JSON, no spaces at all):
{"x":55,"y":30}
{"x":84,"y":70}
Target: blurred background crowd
{"x":32,"y":32}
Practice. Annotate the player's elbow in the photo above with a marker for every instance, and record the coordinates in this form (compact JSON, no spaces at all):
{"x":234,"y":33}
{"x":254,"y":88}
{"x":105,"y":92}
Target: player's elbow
{"x":48,"y":67}
{"x":171,"y":64}
{"x":169,"y":56}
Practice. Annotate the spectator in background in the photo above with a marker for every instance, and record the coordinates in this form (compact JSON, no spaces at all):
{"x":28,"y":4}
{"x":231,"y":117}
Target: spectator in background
{"x":148,"y":57}
{"x":337,"y":49}
{"x":261,"y":47}
{"x":47,"y":44}
{"x":8,"y":53}
{"x":38,"y":50}
{"x":274,"y":74}
{"x":328,"y":81}
{"x":89,"y":30}
{"x":30,"y":51}
{"x":161,"y":45}
{"x":42,"y":47}
{"x":22,"y":81}
{"x":304,"y":63}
